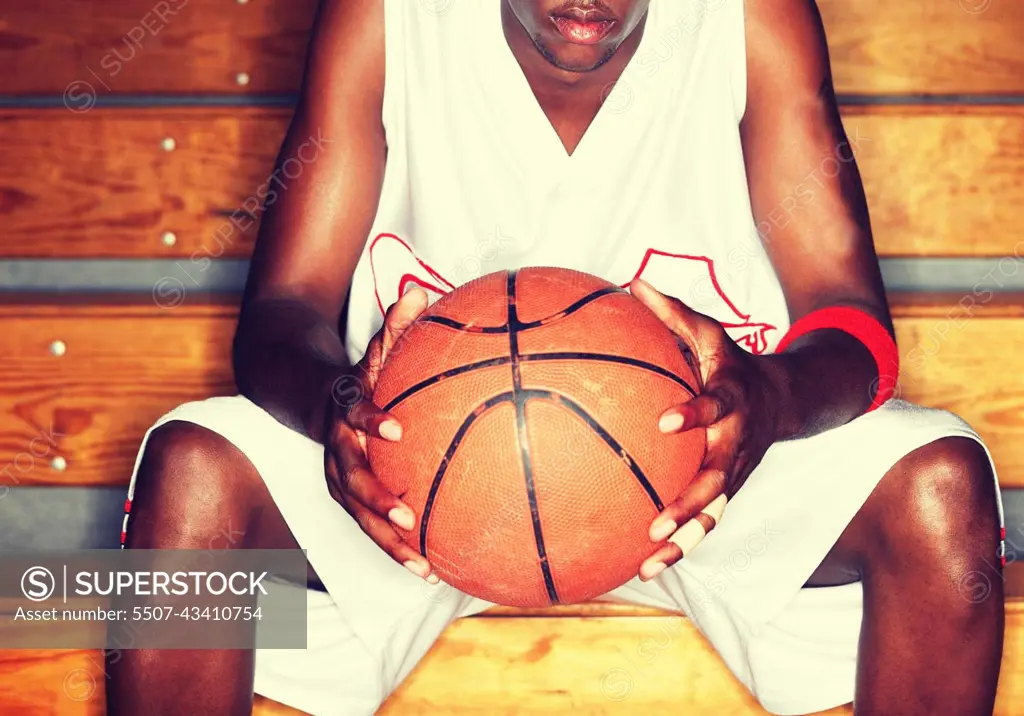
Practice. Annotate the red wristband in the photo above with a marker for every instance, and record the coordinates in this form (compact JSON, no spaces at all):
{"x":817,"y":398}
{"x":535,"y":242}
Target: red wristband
{"x":866,"y":329}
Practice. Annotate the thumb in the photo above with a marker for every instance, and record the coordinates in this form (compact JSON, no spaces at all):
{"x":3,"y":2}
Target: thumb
{"x":682,"y":320}
{"x":402,"y":314}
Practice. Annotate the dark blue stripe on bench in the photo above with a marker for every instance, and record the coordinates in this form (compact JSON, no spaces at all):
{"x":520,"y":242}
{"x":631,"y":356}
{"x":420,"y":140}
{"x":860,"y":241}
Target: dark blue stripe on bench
{"x":228,"y":275}
{"x":90,"y":517}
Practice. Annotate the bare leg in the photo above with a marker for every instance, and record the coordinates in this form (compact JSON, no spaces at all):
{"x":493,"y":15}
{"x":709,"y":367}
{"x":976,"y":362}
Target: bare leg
{"x":194,"y":491}
{"x":925,"y":547}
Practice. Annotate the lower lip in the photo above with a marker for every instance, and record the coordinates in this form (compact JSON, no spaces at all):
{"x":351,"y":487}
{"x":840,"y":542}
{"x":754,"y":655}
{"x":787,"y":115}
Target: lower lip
{"x":583,"y":33}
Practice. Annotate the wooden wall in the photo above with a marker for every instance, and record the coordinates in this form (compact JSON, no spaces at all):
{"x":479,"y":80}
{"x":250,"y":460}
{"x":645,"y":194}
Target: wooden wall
{"x":146,"y":47}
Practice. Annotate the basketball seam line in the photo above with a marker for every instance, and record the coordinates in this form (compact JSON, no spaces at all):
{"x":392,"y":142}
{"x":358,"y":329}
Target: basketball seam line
{"x":527,"y":394}
{"x":523,"y":438}
{"x":528,"y":325}
{"x":453,"y":446}
{"x":537,"y":358}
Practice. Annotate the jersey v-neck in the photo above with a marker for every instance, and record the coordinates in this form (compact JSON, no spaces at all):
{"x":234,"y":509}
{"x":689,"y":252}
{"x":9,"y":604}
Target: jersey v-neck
{"x":530,"y":128}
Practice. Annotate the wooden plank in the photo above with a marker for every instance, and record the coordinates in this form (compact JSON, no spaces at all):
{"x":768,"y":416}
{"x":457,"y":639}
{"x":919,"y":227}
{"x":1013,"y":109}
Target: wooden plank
{"x":941,"y":182}
{"x":105,"y":184}
{"x":621,"y":665}
{"x":148,"y":47}
{"x":122,"y":368}
{"x":138,"y":46}
{"x":51,"y":683}
{"x":128,"y":363}
{"x":968,"y":366}
{"x":506,"y":666}
{"x":70,"y":683}
{"x":925,"y":47}
{"x":946,"y":304}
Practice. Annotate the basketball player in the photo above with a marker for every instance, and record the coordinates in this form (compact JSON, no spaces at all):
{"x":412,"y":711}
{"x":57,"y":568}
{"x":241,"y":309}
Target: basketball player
{"x":695,"y":144}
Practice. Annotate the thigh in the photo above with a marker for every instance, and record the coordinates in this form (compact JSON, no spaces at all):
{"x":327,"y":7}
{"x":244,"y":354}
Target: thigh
{"x":393,"y":615}
{"x":791,"y":523}
{"x":193,"y":489}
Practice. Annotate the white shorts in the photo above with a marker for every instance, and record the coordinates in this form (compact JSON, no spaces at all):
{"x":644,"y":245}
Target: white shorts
{"x":794,"y":648}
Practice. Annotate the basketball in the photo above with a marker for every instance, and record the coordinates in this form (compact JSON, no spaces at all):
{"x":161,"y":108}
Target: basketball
{"x":529,"y":402}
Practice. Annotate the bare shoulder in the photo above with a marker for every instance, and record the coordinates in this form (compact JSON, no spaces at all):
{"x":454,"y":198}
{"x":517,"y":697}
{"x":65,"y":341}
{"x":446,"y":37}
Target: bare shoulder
{"x":346,"y":51}
{"x":313,"y":231}
{"x":786,"y":45}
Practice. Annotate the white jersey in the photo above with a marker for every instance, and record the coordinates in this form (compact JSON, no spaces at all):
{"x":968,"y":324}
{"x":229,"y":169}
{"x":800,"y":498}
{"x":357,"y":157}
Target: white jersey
{"x":478,"y":181}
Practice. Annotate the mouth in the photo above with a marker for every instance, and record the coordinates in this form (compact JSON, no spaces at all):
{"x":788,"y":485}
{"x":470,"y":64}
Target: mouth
{"x":583,"y":27}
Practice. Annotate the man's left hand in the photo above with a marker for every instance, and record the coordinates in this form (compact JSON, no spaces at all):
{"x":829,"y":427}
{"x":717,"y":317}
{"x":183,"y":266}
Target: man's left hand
{"x":738,"y":406}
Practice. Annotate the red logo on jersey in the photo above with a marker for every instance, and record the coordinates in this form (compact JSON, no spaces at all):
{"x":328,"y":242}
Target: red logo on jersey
{"x":692,"y":279}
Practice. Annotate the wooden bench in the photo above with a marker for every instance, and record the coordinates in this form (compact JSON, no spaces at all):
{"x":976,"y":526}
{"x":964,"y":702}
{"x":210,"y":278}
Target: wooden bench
{"x":940,"y":183}
{"x":878,"y":48}
{"x":115,"y":364}
{"x":593,"y":659}
{"x":206,"y":93}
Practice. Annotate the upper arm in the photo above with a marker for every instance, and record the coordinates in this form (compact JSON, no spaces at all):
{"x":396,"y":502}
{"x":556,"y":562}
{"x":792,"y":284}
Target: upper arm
{"x":323,"y":198}
{"x":805,"y":189}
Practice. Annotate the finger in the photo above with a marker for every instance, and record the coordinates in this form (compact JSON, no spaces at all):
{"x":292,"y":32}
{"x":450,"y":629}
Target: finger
{"x":664,"y":556}
{"x":684,"y":540}
{"x":362,"y":414}
{"x":385,"y":536}
{"x":704,"y":410}
{"x":705,"y":488}
{"x":693,"y":532}
{"x":680,"y":318}
{"x":715,"y":510}
{"x":402,"y":314}
{"x":354,"y":479}
{"x":399,"y":316}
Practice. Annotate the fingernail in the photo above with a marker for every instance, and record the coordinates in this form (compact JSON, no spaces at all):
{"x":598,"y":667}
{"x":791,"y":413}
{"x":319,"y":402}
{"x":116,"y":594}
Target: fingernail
{"x":433,"y":578}
{"x":418,"y":568}
{"x":403,"y":517}
{"x":689,"y":536}
{"x":390,"y":430}
{"x":662,"y":528}
{"x":654,"y":570}
{"x":670,"y":422}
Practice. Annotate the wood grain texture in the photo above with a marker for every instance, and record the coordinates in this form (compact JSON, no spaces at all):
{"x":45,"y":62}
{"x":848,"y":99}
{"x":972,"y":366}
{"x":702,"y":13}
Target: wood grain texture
{"x":617,"y":665}
{"x":968,"y":365}
{"x":505,"y":666}
{"x":925,"y":46}
{"x":129,"y":361}
{"x":123,"y":368}
{"x":940,"y":182}
{"x":103,"y":184}
{"x":200,"y":46}
{"x":70,"y":683}
{"x":150,"y":47}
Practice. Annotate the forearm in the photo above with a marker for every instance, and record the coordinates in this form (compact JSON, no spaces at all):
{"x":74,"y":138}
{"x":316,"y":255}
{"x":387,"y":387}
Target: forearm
{"x":823,"y":380}
{"x":287,"y":358}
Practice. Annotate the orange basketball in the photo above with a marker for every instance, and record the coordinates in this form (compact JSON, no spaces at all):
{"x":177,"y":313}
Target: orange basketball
{"x":531,"y":453}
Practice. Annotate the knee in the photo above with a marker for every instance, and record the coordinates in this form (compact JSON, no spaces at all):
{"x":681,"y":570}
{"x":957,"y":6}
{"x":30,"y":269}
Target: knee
{"x":940,"y":505}
{"x":191,"y":491}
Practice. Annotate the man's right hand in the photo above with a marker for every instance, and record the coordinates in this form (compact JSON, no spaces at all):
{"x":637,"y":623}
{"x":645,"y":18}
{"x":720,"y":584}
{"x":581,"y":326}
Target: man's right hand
{"x":350,"y":417}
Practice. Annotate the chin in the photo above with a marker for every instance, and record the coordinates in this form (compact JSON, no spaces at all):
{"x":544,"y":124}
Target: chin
{"x":578,"y":35}
{"x":574,"y":58}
